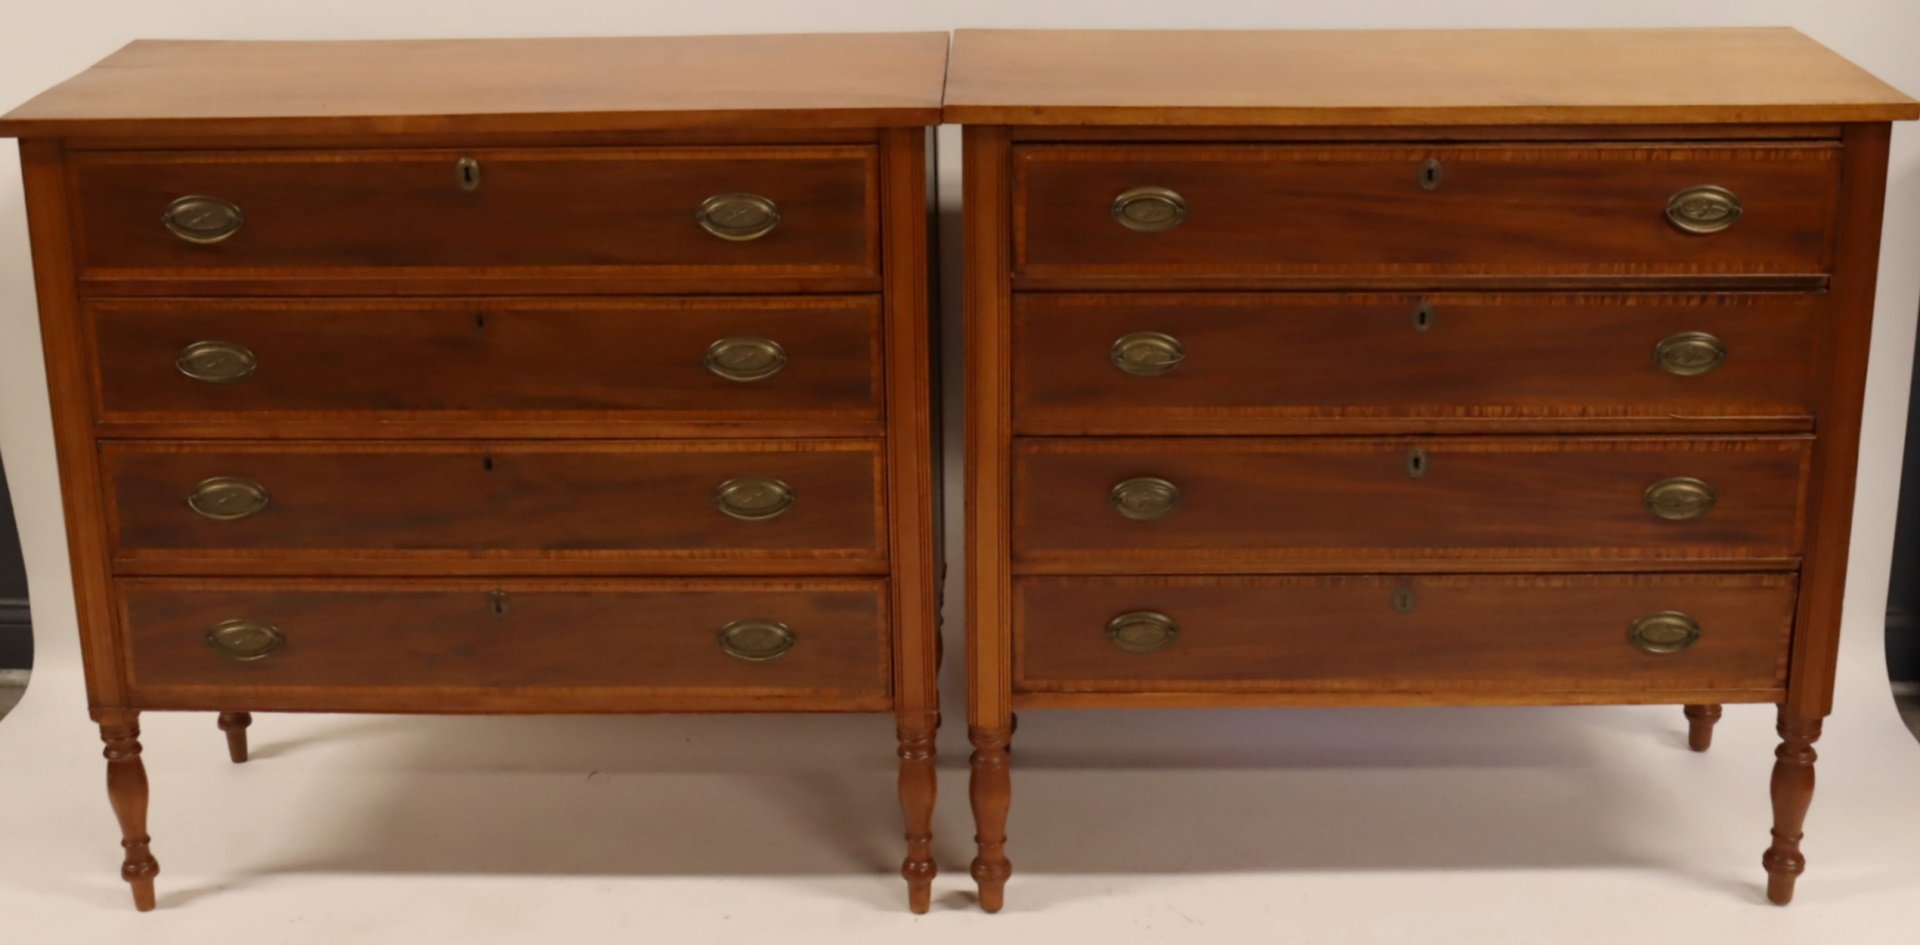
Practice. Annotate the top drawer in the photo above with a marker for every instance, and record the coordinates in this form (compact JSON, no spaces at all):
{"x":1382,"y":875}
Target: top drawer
{"x":721,"y":219}
{"x":1173,"y":213}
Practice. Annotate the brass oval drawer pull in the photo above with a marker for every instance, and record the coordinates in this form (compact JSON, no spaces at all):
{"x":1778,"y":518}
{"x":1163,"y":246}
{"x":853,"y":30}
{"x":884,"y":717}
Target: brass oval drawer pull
{"x":203,"y":219}
{"x":756,"y":640}
{"x":753,"y":498}
{"x":1707,"y":208}
{"x":1679,"y":499}
{"x":1668,"y":631}
{"x":1689,"y":353}
{"x":746,"y":358}
{"x":227,"y":498}
{"x":1145,"y":498}
{"x":1150,"y":209}
{"x":1142,"y":631}
{"x":738,"y":217}
{"x":216,"y":362}
{"x":245,"y":640}
{"x":1147,"y":353}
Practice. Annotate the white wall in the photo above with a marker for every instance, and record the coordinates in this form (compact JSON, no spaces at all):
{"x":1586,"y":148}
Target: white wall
{"x":42,"y":43}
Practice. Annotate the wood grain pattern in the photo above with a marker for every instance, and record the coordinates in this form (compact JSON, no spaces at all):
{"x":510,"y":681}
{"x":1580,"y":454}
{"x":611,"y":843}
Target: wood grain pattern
{"x":621,"y":638}
{"x":1791,"y":789}
{"x":1701,"y":719}
{"x":622,"y":212}
{"x":1419,"y":134}
{"x":989,"y":609}
{"x":469,"y":86}
{"x":1407,"y":77}
{"x":64,"y":346}
{"x":623,"y":503}
{"x":127,"y":791}
{"x":382,"y":363}
{"x":1412,"y":698}
{"x":1516,"y":210}
{"x":234,"y":725}
{"x":1510,"y":362}
{"x":990,"y":792}
{"x":503,"y":380}
{"x":1842,"y":357}
{"x":1467,"y":635}
{"x":1287,"y":504}
{"x":988,"y":417}
{"x":1298,"y":155}
{"x":913,"y":485}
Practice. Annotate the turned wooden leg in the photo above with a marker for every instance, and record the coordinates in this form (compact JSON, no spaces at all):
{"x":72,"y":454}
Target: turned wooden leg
{"x":235,"y":725}
{"x":918,"y":784}
{"x":992,"y":794}
{"x":1792,"y":795}
{"x":1700,"y":719}
{"x":127,"y":790}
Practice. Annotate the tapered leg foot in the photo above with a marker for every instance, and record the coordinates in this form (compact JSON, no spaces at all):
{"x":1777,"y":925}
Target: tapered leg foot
{"x":235,"y":725}
{"x":1700,"y":719}
{"x":918,"y":784}
{"x":1792,"y":795}
{"x":127,"y":791}
{"x":992,"y":794}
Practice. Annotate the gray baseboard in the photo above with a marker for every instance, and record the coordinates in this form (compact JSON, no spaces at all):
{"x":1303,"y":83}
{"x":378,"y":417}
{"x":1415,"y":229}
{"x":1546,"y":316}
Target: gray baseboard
{"x":1903,"y":645}
{"x":16,"y":635}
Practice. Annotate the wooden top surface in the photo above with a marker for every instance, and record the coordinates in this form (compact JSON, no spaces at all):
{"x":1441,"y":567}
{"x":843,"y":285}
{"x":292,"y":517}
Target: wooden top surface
{"x":399,"y":86}
{"x":1408,"y":77}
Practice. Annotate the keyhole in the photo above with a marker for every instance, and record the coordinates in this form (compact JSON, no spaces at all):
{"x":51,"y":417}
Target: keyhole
{"x":480,"y":320}
{"x":498,"y":603}
{"x":1430,"y":174}
{"x":1417,"y":463}
{"x":1423,"y":316}
{"x":1403,"y":600}
{"x":486,"y":462}
{"x":467,"y":171}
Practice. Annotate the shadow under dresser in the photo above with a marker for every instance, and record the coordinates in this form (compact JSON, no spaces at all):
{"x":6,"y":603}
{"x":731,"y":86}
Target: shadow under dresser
{"x":500,"y":376}
{"x":1455,"y":367}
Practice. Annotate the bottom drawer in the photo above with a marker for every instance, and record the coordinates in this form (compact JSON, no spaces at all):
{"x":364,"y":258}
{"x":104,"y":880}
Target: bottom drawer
{"x":463,"y":646}
{"x":1534,"y":635}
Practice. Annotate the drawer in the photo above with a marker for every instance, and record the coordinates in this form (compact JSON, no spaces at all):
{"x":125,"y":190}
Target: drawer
{"x":1544,"y":636}
{"x":466,"y":645}
{"x":269,"y":362}
{"x":696,"y":506}
{"x":1139,"y":213}
{"x":1291,"y":362}
{"x":737,"y":213}
{"x":1190,"y":505}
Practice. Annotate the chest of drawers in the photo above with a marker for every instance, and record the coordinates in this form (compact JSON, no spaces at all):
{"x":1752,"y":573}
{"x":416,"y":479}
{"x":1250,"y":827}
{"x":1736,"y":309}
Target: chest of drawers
{"x":495,"y":376}
{"x":1410,"y":368}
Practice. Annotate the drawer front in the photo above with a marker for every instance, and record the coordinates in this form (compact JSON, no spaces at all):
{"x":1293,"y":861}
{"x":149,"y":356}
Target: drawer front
{"x":1194,"y":504}
{"x":708,"y":505}
{"x":1168,"y":364}
{"x":610,"y":211}
{"x":473,"y":642}
{"x":1414,"y":211}
{"x":1464,"y":633}
{"x":732,"y":360}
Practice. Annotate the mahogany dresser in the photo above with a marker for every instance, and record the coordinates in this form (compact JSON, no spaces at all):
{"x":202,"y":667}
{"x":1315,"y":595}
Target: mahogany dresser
{"x":1413,"y":368}
{"x":495,"y":376}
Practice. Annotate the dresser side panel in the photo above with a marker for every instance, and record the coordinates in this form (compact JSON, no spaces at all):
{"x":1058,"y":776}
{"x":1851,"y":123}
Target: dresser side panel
{"x":910,"y":476}
{"x":50,"y":226}
{"x":1841,"y":391}
{"x":989,"y":421}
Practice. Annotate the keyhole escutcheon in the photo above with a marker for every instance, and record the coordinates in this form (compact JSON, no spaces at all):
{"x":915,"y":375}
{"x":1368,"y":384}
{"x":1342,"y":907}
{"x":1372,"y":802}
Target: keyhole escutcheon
{"x":467,"y":172}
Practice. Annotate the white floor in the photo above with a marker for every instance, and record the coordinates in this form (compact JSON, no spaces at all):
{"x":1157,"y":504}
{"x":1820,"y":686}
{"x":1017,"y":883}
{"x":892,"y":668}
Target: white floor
{"x":1392,"y":826}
